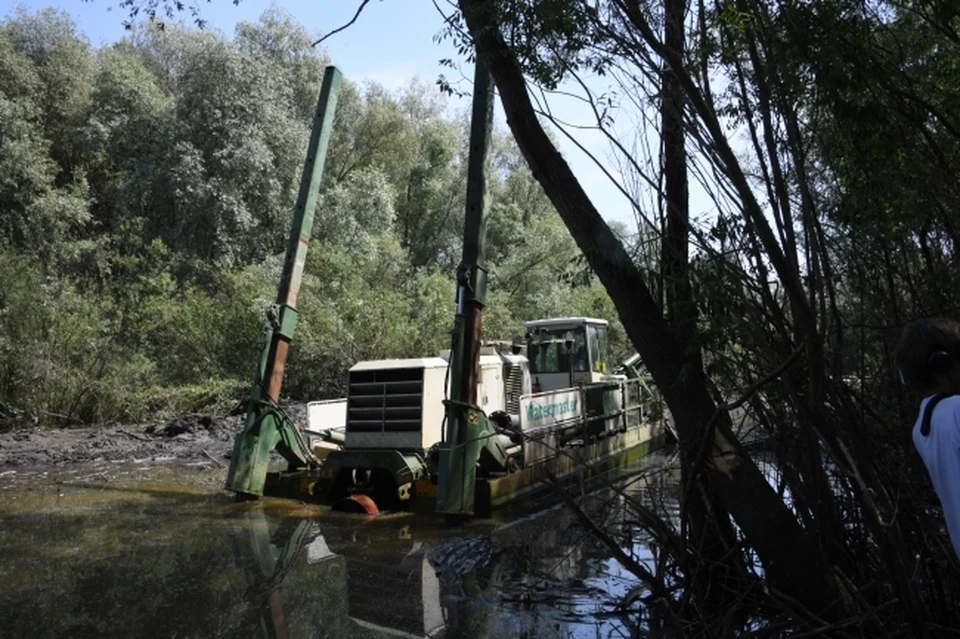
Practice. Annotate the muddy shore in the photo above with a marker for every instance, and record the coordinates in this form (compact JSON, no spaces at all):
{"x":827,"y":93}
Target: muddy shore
{"x":188,"y":438}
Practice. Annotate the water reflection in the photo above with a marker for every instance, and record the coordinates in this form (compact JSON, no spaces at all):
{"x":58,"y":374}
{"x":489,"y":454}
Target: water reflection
{"x":155,"y":560}
{"x":383,"y":580}
{"x":267,"y":559}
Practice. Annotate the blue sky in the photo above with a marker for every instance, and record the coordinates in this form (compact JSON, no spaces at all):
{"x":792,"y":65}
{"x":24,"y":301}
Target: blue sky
{"x":391,"y":42}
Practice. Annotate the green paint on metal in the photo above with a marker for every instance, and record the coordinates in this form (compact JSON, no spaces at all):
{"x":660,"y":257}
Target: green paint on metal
{"x":288,"y":321}
{"x":458,"y":463}
{"x":251,"y":452}
{"x":468,"y":434}
{"x":302,"y":227}
{"x":576,"y":466}
{"x":266,"y":428}
{"x":630,"y":366}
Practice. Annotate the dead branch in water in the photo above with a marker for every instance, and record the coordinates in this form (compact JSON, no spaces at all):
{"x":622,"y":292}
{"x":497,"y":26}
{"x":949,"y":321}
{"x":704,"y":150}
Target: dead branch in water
{"x":213,"y":459}
{"x":133,"y":435}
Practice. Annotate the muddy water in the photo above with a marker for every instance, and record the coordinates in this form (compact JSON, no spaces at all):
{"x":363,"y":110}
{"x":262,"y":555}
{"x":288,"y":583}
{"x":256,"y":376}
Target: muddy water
{"x":163,"y":551}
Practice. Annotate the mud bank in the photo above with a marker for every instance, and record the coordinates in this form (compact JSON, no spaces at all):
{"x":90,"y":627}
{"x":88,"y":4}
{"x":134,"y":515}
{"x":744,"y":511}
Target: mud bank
{"x":187,"y":438}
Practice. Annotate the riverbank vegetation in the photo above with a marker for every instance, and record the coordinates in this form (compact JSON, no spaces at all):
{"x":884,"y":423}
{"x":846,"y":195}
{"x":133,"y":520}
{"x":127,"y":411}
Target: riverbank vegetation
{"x":146,"y":192}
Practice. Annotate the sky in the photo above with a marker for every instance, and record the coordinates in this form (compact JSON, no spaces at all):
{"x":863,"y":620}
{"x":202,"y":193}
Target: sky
{"x":391,"y":42}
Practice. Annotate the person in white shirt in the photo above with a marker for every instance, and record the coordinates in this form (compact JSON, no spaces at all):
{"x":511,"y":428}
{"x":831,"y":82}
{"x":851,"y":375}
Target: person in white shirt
{"x":928,"y":362}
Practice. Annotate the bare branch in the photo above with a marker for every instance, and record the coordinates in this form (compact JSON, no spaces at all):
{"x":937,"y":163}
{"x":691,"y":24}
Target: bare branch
{"x":347,"y":25}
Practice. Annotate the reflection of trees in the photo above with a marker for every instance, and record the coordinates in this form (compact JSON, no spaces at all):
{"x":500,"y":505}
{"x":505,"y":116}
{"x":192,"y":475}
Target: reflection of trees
{"x":120,"y":566}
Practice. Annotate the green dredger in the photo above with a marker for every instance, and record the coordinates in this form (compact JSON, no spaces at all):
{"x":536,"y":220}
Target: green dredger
{"x":458,"y":434}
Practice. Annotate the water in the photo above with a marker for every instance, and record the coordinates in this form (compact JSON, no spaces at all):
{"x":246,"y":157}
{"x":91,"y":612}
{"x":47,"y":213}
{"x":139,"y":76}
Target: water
{"x":132,"y":552}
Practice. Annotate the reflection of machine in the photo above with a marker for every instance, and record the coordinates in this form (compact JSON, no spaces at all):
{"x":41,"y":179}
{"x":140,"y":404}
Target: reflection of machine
{"x":344,"y":578}
{"x":391,"y":587}
{"x":361,"y":587}
{"x":458,"y":435}
{"x":269,"y":565}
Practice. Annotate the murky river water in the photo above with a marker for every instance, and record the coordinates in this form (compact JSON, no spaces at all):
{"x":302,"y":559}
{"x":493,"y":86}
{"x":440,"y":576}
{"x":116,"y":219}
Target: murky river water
{"x":133,"y":552}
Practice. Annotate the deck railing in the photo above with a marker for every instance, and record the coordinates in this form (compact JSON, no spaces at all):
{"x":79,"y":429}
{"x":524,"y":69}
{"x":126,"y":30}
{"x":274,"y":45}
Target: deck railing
{"x":557,"y":418}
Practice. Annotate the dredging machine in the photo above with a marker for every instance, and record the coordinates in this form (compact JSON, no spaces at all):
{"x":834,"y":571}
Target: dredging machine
{"x":461,"y":433}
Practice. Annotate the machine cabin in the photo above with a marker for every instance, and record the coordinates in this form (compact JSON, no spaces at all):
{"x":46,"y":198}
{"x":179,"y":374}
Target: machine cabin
{"x":566,"y":352}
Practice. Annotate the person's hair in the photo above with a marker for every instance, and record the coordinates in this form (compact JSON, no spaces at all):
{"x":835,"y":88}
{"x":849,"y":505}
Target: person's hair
{"x":919,"y":355}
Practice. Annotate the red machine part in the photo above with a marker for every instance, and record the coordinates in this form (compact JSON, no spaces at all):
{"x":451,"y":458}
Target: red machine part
{"x":356,"y":503}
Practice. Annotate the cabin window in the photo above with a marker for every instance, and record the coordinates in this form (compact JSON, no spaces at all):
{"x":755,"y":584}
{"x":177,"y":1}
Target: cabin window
{"x":547,"y":351}
{"x":599,"y":348}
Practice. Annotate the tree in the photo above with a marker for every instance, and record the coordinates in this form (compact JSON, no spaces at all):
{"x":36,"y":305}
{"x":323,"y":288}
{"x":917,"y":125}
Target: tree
{"x":287,"y":44}
{"x":730,"y":474}
{"x":774,"y":244}
{"x":128,"y":141}
{"x":62,"y":69}
{"x":44,"y":68}
{"x":430,"y":197}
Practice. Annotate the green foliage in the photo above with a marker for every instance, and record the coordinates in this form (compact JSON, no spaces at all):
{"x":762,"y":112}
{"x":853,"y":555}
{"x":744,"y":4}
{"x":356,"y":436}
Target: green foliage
{"x":550,"y":38}
{"x":62,"y":69}
{"x":56,"y":347}
{"x":371,"y":129}
{"x":287,"y":45}
{"x":357,"y":210}
{"x":365,"y":305}
{"x":44,"y":85}
{"x":144,"y":215}
{"x":238,"y":148}
{"x":430,"y":200}
{"x":38,"y":215}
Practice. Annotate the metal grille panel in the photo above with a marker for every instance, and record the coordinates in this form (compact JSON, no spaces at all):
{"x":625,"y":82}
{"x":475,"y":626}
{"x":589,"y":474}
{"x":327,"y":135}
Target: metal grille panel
{"x":385,"y":401}
{"x":513,"y":387}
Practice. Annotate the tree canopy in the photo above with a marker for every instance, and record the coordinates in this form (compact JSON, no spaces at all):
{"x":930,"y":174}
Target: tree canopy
{"x":146,"y":193}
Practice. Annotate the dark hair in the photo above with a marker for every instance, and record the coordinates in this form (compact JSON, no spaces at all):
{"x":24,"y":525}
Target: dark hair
{"x":927,"y":347}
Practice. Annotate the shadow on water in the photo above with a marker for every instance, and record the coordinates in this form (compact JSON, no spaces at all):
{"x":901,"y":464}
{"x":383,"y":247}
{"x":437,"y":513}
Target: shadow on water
{"x":158,"y":559}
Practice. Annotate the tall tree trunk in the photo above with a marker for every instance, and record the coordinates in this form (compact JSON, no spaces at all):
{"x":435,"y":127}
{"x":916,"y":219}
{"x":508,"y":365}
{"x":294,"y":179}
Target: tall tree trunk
{"x":710,"y":522}
{"x":790,"y":560}
{"x":675,"y":241}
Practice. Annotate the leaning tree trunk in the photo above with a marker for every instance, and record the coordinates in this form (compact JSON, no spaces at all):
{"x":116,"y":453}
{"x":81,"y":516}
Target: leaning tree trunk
{"x":791,"y":563}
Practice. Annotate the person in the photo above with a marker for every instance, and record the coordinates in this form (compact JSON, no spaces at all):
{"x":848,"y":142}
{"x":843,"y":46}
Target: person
{"x":928,"y":362}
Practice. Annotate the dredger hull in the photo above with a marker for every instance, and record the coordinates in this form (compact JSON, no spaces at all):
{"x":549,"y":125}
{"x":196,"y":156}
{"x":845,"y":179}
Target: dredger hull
{"x":531,"y":483}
